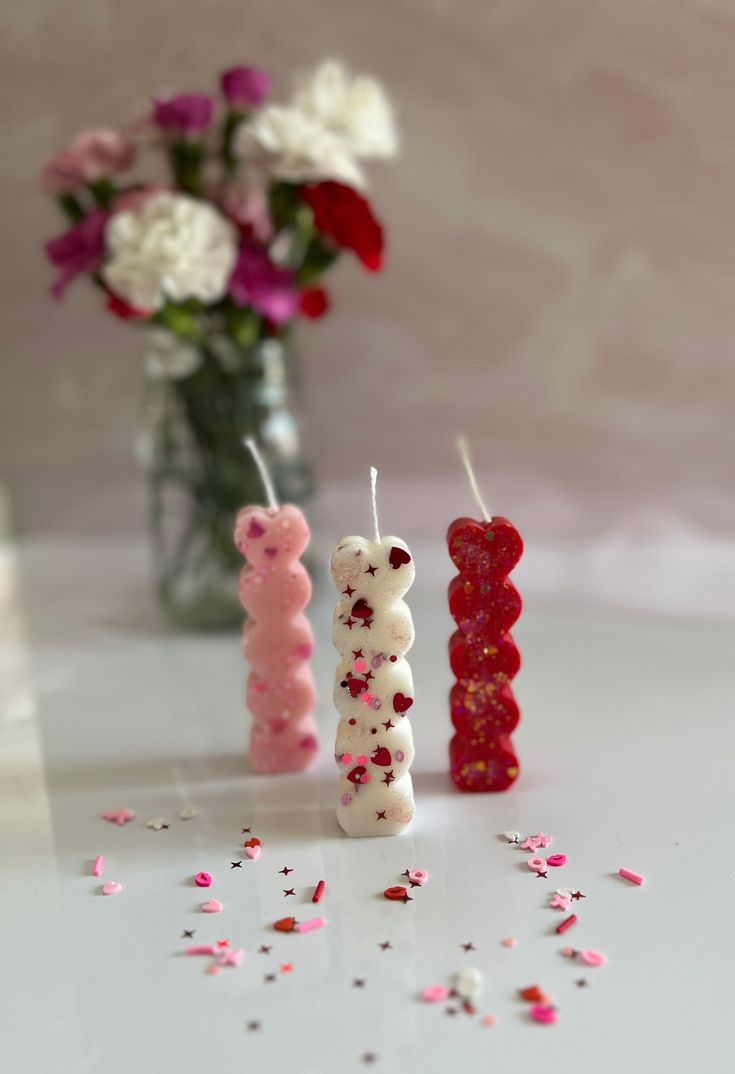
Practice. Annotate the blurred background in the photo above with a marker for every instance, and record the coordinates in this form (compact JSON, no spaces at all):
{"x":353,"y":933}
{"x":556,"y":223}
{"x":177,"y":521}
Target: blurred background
{"x":560,"y":272}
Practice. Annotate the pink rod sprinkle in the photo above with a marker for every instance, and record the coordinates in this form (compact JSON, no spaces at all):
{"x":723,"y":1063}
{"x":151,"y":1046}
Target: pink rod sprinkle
{"x":566,"y":924}
{"x":309,"y":926}
{"x":99,"y":865}
{"x":205,"y":949}
{"x":633,"y":877}
{"x":319,"y":891}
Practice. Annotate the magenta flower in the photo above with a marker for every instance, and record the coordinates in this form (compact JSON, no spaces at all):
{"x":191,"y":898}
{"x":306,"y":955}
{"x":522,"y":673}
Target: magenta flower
{"x":257,"y":282}
{"x":188,"y":113}
{"x":245,"y":87}
{"x":90,"y":156}
{"x":77,"y":251}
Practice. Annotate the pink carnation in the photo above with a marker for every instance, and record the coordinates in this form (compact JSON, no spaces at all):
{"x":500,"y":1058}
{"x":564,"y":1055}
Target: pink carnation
{"x":79,"y":250}
{"x":188,"y":113}
{"x":90,"y":156}
{"x":245,"y":87}
{"x":258,"y":283}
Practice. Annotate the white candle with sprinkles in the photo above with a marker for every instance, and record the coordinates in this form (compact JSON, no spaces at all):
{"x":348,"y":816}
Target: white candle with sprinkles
{"x":372,"y":631}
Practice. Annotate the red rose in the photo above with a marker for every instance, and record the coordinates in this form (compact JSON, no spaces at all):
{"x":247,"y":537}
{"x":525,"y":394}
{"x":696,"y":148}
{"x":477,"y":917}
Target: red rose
{"x":347,"y":219}
{"x":313,"y":302}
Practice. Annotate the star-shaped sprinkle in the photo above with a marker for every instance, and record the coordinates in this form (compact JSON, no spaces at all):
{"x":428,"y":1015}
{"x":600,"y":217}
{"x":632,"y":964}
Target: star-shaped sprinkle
{"x":349,"y":622}
{"x":371,"y":570}
{"x":359,"y":982}
{"x":386,"y":945}
{"x":349,"y":591}
{"x":236,"y":865}
{"x":368,"y":676}
{"x":369,"y":1057}
{"x":119,"y":816}
{"x":288,"y":891}
{"x":357,"y":653}
{"x":451,"y":1011}
{"x":541,"y":876}
{"x":253,"y":1026}
{"x":367,"y":623}
{"x":406,"y":898}
{"x":577,"y":895}
{"x":188,"y":934}
{"x":388,"y":778}
{"x":158,"y":824}
{"x":264,"y":949}
{"x":581,"y":983}
{"x":285,"y":870}
{"x":269,"y":978}
{"x":233,"y":957}
{"x":388,"y":725}
{"x":246,"y":831}
{"x":469,"y":946}
{"x":380,"y":815}
{"x":559,"y":902}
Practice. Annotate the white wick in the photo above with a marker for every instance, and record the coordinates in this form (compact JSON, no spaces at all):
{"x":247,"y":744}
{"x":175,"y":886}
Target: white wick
{"x":464,"y":454}
{"x":265,"y":477}
{"x":374,"y":495}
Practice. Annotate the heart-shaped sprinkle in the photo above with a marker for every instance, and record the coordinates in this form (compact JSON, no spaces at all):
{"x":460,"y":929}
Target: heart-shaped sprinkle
{"x":355,"y":776}
{"x":212,"y":906}
{"x":203,"y":880}
{"x":255,"y":529}
{"x":395,"y":893}
{"x":285,"y":924}
{"x":252,"y":843}
{"x":401,"y":703}
{"x":111,"y":887}
{"x":271,"y":552}
{"x":253,"y":853}
{"x":511,"y":837}
{"x":435,"y":993}
{"x":381,"y":757}
{"x":355,"y":686}
{"x":361,"y":609}
{"x":398,"y":556}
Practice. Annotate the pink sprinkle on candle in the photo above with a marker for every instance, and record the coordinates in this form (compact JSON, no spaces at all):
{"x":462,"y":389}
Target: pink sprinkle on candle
{"x":566,"y":924}
{"x":319,"y":891}
{"x":309,"y":926}
{"x":99,"y":865}
{"x":360,"y":666}
{"x":634,"y":878}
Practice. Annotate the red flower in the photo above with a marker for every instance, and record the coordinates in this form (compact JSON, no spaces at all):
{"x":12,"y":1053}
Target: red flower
{"x":313,"y":302}
{"x":346,"y":217}
{"x":118,"y":308}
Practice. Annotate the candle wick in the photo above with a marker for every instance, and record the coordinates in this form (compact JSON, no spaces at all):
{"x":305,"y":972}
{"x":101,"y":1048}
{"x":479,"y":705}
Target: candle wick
{"x":464,"y":454}
{"x":265,"y":477}
{"x":374,"y":496}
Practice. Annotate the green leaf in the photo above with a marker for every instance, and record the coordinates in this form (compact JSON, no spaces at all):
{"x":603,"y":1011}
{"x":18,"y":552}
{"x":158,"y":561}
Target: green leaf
{"x":243,"y":325}
{"x":180,"y":320}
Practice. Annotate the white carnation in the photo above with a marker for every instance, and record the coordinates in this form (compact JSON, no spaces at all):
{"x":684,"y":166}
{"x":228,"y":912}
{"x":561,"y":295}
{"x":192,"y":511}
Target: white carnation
{"x":302,"y":148}
{"x":356,"y":109}
{"x":174,"y":247}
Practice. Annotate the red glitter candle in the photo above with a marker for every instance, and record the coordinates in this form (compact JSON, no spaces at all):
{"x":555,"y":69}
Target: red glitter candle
{"x":483,"y":656}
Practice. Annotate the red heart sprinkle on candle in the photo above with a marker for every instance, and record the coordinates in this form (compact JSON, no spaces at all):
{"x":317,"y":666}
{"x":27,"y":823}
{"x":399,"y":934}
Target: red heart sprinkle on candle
{"x":398,"y":556}
{"x":381,"y":757}
{"x":255,"y":529}
{"x":401,"y":703}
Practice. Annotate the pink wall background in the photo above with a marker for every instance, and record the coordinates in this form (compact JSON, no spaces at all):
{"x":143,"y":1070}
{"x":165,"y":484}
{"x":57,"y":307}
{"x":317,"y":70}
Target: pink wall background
{"x":561,"y":280}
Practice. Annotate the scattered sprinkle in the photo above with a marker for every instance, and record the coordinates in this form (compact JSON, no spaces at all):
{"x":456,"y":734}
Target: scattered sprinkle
{"x":99,"y":865}
{"x":285,"y":924}
{"x":233,"y":957}
{"x":397,"y":893}
{"x":544,"y":1013}
{"x":511,"y":837}
{"x":468,"y":982}
{"x":288,"y":891}
{"x":188,"y":813}
{"x":556,"y":860}
{"x":212,"y":906}
{"x":158,"y":824}
{"x":319,"y":891}
{"x":559,"y":902}
{"x":253,"y":853}
{"x":119,"y":816}
{"x":286,"y":967}
{"x":488,"y":1020}
{"x":509,"y":941}
{"x":203,"y":949}
{"x":566,"y":924}
{"x":309,"y":926}
{"x":203,"y":880}
{"x":533,"y":994}
{"x":536,"y":865}
{"x":236,"y":865}
{"x":635,"y":878}
{"x":435,"y":993}
{"x":592,"y":958}
{"x":417,"y":877}
{"x":111,"y":888}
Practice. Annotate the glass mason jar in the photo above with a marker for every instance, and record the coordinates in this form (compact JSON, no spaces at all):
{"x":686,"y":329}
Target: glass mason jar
{"x":202,"y":400}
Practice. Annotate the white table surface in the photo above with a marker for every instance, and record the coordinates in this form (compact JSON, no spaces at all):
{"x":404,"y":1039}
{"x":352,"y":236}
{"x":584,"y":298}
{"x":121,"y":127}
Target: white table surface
{"x":626,"y":744}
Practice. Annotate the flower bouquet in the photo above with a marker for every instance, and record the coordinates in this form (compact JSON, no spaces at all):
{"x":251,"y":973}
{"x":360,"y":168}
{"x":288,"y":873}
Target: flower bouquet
{"x":217,"y":264}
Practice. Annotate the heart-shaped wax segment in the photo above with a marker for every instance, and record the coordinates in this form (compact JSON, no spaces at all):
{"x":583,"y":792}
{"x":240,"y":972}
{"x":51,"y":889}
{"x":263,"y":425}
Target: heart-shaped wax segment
{"x":435,"y":993}
{"x":212,"y":906}
{"x":255,"y":529}
{"x":482,"y":710}
{"x":533,"y":994}
{"x":395,"y":893}
{"x":252,"y":843}
{"x":253,"y":853}
{"x":111,"y":887}
{"x":482,"y":549}
{"x":482,"y":767}
{"x":480,"y":659}
{"x":418,"y":876}
{"x":556,"y":860}
{"x":401,"y":703}
{"x":203,"y":880}
{"x":355,"y":776}
{"x":381,"y":757}
{"x":361,"y":609}
{"x":542,"y":1012}
{"x":398,"y":557}
{"x":484,"y":609}
{"x":285,"y":924}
